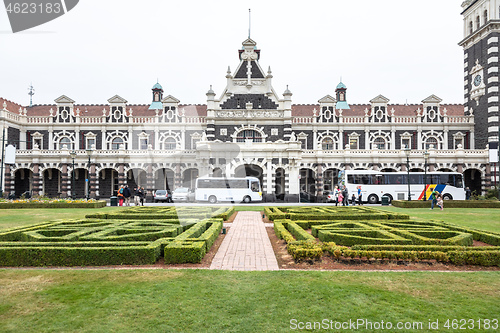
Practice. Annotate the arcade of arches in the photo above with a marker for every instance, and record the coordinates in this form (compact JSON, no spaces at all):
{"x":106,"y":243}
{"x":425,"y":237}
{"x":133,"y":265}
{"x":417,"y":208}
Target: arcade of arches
{"x":54,"y":182}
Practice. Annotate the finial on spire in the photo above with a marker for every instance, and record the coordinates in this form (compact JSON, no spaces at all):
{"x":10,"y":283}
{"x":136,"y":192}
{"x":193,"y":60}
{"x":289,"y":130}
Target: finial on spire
{"x":31,"y":92}
{"x":249,"y":21}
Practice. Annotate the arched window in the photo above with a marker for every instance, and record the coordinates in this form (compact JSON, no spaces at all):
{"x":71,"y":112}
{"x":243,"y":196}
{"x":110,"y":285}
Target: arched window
{"x":170,"y":144}
{"x":327,"y":144}
{"x":116,"y":142}
{"x":471,"y":27}
{"x":478,"y":22}
{"x":379,"y":142}
{"x":432,"y":141}
{"x":65,"y":142}
{"x":249,"y":134}
{"x":485,"y":16}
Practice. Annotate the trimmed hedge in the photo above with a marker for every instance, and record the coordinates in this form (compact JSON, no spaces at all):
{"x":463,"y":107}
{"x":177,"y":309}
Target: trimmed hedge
{"x":179,"y":252}
{"x":448,"y":204}
{"x":78,"y":256}
{"x":482,"y":258}
{"x":307,"y":249}
{"x":24,"y":205}
{"x":443,"y":248}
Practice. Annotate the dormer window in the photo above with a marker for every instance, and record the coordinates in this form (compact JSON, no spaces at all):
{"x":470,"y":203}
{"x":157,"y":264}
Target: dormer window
{"x":157,"y":97}
{"x":117,"y":114}
{"x":64,"y":115}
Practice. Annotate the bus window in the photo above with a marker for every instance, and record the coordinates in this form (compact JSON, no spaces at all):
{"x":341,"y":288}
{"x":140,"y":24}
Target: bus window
{"x":255,"y":187}
{"x":416,"y":179}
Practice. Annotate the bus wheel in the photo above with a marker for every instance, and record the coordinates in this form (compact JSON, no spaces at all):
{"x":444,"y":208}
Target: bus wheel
{"x":447,"y":197}
{"x":247,"y":199}
{"x":212,"y":199}
{"x":372,"y":199}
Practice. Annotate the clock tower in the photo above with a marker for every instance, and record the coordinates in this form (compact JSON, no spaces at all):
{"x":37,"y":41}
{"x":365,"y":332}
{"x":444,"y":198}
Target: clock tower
{"x":481,"y":66}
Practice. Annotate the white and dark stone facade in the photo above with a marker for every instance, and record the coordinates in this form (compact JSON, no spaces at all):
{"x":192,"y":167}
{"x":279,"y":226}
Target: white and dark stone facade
{"x":481,"y":73}
{"x":249,"y":129}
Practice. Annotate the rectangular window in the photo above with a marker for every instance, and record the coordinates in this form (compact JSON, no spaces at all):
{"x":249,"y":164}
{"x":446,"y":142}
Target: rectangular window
{"x":38,"y":142}
{"x":353,"y":143}
{"x":143,"y":144}
{"x":90,"y":143}
{"x":405,"y":143}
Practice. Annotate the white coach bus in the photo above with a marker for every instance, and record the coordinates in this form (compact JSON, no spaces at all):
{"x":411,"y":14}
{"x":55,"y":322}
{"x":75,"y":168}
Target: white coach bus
{"x":394,"y":185}
{"x":216,"y":189}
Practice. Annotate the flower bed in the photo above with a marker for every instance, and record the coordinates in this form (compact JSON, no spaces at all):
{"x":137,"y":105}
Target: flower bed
{"x":50,"y":203}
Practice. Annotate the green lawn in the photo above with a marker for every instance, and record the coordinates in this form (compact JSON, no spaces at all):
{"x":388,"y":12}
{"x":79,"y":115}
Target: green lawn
{"x":223,"y":301}
{"x":480,"y":218}
{"x":10,"y":218}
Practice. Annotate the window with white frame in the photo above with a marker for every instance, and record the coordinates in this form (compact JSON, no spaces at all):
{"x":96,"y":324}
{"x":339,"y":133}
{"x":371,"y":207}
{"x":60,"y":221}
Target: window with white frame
{"x":253,"y":135}
{"x":90,"y":140}
{"x":379,"y":143}
{"x":458,"y":139}
{"x":143,"y":143}
{"x":354,"y":141}
{"x":169,"y":144}
{"x":431,"y":142}
{"x":327,"y":144}
{"x":65,"y":142}
{"x":116,"y":143}
{"x":37,"y":140}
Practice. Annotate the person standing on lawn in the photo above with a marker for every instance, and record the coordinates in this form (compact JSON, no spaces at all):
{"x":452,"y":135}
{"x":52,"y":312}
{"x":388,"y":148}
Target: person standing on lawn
{"x":467,"y":193}
{"x":360,"y":196}
{"x":336,"y":195}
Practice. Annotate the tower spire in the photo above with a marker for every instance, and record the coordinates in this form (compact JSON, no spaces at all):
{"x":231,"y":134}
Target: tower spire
{"x":31,"y":92}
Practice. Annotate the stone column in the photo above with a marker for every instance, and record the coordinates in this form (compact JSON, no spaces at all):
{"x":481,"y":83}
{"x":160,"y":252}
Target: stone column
{"x":35,"y":185}
{"x":92,"y":180}
{"x":149,"y":183}
{"x":178,"y":176}
{"x":64,"y":181}
{"x":319,"y":182}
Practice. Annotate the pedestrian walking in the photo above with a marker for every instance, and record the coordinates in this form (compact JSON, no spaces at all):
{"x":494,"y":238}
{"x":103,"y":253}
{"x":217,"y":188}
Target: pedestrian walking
{"x":433,"y":198}
{"x":439,"y":201}
{"x":142,"y":194}
{"x":136,"y":196}
{"x":336,"y":195}
{"x":127,"y":194}
{"x":120,"y":196}
{"x":360,"y":196}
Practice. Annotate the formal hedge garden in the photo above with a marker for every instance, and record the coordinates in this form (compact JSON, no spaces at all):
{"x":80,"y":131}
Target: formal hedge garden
{"x":133,"y":236}
{"x":366,"y":234}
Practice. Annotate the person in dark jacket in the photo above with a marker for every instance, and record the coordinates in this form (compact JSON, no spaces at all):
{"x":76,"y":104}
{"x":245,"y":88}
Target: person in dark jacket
{"x":127,"y":194}
{"x":142,"y":194}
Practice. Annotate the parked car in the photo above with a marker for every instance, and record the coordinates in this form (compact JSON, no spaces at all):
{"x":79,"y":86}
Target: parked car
{"x":331,"y":197}
{"x":183,"y":194}
{"x":162,"y":196}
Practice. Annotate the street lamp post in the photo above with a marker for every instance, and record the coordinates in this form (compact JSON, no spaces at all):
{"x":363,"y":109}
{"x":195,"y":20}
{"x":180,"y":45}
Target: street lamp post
{"x":89,"y":153}
{"x":426,"y":158}
{"x":73,"y":193}
{"x":407,"y":153}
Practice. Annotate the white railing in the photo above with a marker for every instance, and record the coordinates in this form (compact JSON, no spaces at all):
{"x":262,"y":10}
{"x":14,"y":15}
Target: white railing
{"x":303,"y":120}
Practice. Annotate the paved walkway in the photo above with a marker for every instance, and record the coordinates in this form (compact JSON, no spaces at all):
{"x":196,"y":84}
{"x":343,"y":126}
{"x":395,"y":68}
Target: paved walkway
{"x":246,"y":246}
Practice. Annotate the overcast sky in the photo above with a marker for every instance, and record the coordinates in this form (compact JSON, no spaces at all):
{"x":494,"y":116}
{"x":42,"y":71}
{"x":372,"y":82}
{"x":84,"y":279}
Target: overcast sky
{"x":404,"y":50}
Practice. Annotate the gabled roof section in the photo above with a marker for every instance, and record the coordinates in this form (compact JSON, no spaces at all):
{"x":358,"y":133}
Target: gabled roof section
{"x":327,"y":99}
{"x":170,"y":99}
{"x":63,"y":99}
{"x":380,"y":99}
{"x":432,"y":99}
{"x":117,"y":99}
